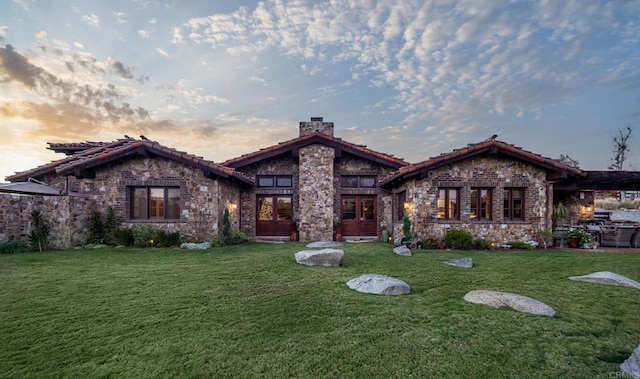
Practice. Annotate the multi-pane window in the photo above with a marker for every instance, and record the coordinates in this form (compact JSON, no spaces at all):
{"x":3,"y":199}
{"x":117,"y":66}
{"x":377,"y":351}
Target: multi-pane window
{"x":513,"y":203}
{"x":448,"y":203}
{"x":480,"y":204}
{"x":155,"y":203}
{"x":281,"y":181}
{"x":355,"y":181}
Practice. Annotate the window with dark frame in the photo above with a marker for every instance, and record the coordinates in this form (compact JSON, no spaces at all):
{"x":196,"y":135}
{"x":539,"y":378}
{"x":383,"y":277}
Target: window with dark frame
{"x":155,"y":203}
{"x":358,"y":181}
{"x":448,"y":204}
{"x":275,"y":181}
{"x":401,"y":200}
{"x":481,"y":204}
{"x":513,"y":204}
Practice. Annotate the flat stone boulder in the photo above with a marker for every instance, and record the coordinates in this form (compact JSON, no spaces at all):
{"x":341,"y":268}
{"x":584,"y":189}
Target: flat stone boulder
{"x":519,"y":303}
{"x":607,"y":278}
{"x":379,"y":285}
{"x":324,"y":244}
{"x":462,"y":262}
{"x":402,"y":250}
{"x":324,"y":257}
{"x":632,"y":365}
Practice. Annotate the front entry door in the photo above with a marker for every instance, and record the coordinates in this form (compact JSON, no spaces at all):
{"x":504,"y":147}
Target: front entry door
{"x":274,"y":215}
{"x":359,"y":216}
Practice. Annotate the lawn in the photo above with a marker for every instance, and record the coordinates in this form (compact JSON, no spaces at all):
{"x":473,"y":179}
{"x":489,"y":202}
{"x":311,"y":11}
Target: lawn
{"x":251,"y":311}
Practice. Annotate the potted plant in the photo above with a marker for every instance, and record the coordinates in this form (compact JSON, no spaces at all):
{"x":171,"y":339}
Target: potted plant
{"x":578,"y":238}
{"x":559,"y":214}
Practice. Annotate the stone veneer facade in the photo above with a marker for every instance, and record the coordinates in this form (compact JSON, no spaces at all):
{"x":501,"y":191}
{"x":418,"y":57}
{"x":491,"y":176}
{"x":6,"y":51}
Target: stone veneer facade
{"x":487,"y":172}
{"x":316,"y":193}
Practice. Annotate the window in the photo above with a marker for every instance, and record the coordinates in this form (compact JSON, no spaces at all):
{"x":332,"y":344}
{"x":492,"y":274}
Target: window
{"x":355,"y":181}
{"x":448,"y":203}
{"x":281,"y":181}
{"x":401,"y":200}
{"x":155,"y":203}
{"x":513,"y":201}
{"x":480,"y":204}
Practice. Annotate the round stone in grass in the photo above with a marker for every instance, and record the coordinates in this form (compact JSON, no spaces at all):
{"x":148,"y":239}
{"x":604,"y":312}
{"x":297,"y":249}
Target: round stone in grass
{"x":607,"y":278}
{"x":519,"y":303}
{"x":379,"y":285}
{"x":324,"y":257}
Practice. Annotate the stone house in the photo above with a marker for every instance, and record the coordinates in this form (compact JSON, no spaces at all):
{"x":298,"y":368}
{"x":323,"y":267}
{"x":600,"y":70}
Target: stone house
{"x":315,"y":184}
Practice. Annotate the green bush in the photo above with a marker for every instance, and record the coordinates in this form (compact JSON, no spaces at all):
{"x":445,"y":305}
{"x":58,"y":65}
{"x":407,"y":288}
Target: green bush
{"x":239,"y":237}
{"x":458,"y":239}
{"x":110,"y":225}
{"x":144,"y":236}
{"x":12,"y":247}
{"x":167,"y":239}
{"x":96,"y":228}
{"x":39,"y":236}
{"x":226,"y":236}
{"x":122,"y":236}
{"x":483,"y":244}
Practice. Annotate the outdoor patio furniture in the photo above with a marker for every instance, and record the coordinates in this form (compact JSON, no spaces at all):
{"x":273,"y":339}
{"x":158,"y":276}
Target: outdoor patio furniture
{"x":617,"y":236}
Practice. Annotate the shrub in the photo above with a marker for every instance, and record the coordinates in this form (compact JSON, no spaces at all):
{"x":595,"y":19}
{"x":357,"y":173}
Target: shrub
{"x":167,"y":239}
{"x":12,"y":247}
{"x":96,"y":228}
{"x":458,"y":239}
{"x":144,"y":236}
{"x":431,"y":243}
{"x":239,"y":237}
{"x":406,"y":227}
{"x":110,"y":225}
{"x":226,"y":236}
{"x":482,"y":244}
{"x":39,"y":236}
{"x":122,"y":236}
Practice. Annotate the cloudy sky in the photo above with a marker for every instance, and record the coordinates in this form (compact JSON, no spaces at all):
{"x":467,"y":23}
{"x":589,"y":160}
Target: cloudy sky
{"x":409,"y":78}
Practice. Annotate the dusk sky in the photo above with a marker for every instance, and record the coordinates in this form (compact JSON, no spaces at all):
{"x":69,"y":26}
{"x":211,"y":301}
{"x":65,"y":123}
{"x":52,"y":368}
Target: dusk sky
{"x":409,"y":78}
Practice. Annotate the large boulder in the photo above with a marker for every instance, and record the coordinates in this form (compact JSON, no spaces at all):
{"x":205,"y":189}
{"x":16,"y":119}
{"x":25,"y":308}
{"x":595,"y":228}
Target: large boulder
{"x":462,"y":262}
{"x":519,"y":303}
{"x":402,"y":250}
{"x":607,"y":278}
{"x":632,"y":365}
{"x":324,"y":257}
{"x":324,"y":244}
{"x":379,"y":285}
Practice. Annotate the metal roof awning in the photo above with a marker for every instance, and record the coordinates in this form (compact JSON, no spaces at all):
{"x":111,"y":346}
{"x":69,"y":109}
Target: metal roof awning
{"x":35,"y":187}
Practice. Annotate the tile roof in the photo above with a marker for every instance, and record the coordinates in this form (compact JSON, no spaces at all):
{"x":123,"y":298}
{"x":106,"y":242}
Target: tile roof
{"x":472,"y":149}
{"x":73,"y":147}
{"x":110,"y":151}
{"x":317,"y":138}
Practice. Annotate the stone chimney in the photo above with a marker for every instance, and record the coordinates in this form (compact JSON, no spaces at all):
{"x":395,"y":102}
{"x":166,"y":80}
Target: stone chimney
{"x":316,"y":125}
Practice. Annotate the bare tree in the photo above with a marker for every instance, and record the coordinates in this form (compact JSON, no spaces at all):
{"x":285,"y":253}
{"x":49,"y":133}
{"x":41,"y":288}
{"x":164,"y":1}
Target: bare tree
{"x":620,"y":149}
{"x":566,"y":159}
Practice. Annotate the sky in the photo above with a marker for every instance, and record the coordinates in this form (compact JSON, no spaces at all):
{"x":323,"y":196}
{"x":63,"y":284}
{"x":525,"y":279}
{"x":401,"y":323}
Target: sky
{"x":410,"y":78}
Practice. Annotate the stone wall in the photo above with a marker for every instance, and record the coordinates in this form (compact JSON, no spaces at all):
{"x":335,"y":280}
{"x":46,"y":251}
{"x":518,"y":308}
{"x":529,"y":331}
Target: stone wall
{"x":67,"y":218}
{"x":316,"y":193}
{"x":316,"y":125}
{"x":493,"y":172}
{"x":202,"y":200}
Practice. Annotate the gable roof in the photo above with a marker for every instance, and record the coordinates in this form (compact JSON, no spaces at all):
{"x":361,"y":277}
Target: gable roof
{"x":556,"y":169}
{"x":82,"y":163}
{"x":73,"y":147}
{"x":294,"y":145}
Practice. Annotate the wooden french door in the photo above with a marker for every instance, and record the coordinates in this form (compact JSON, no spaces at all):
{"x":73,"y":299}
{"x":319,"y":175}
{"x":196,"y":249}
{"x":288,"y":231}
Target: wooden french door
{"x":274,"y":215}
{"x":358,"y":216}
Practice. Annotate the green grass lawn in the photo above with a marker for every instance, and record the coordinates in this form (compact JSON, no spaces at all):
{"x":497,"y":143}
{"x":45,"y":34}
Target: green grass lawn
{"x":251,"y":311}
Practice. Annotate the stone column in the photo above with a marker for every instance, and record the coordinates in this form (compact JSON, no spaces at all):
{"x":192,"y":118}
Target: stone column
{"x":316,"y":193}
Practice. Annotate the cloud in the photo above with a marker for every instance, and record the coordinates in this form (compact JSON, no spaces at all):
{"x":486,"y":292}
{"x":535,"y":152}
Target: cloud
{"x":176,"y":36}
{"x":449,"y":63}
{"x":41,"y":34}
{"x":121,"y":17}
{"x":82,"y":101}
{"x":143,"y":33}
{"x":3,"y":32}
{"x":91,"y":19}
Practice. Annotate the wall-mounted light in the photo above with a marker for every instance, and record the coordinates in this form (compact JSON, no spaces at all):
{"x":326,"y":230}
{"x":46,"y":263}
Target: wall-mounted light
{"x":581,"y":195}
